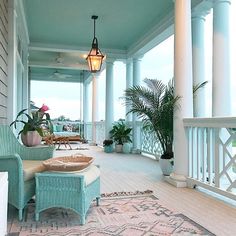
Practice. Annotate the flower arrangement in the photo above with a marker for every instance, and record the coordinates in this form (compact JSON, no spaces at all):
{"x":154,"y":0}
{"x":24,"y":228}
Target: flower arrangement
{"x":35,"y":121}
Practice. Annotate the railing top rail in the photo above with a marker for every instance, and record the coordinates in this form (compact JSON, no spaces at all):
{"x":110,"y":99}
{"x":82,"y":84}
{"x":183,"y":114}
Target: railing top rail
{"x":213,"y":122}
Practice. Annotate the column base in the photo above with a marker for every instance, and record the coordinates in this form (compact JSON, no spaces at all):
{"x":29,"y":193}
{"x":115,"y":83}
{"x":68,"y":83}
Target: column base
{"x":136,"y":151}
{"x":179,"y":181}
{"x":92,"y":143}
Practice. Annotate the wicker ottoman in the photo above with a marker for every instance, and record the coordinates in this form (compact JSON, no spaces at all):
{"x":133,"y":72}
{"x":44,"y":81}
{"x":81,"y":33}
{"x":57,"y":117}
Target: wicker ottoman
{"x":73,"y":190}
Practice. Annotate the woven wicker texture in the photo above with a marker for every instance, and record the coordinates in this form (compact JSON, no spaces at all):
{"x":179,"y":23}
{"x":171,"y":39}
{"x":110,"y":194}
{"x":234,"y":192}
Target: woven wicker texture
{"x":11,"y":155}
{"x":65,"y":190}
{"x":68,"y":163}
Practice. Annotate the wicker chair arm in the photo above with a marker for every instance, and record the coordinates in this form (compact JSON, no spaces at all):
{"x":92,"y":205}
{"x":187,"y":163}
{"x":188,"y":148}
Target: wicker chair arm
{"x":13,"y":165}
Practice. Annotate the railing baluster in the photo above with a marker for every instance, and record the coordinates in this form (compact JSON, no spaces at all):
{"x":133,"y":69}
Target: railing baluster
{"x":192,"y":159}
{"x":189,"y":132}
{"x":211,"y":158}
{"x":217,"y":163}
{"x":205,"y":154}
{"x":208,"y":154}
{"x":199,"y":149}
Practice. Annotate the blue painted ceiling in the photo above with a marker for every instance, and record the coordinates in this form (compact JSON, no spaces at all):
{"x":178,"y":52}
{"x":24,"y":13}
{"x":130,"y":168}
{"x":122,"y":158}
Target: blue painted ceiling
{"x":60,"y":25}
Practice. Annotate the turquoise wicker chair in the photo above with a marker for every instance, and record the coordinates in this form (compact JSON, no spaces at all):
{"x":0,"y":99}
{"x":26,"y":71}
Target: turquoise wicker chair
{"x":11,"y":155}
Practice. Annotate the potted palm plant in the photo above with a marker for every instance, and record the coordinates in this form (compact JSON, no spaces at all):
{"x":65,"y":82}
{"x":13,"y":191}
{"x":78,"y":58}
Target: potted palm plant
{"x":121,"y":134}
{"x":32,"y":131}
{"x":155,"y":105}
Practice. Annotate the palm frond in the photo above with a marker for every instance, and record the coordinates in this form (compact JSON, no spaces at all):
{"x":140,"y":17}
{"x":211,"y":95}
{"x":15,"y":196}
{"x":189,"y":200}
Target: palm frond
{"x":199,"y":86}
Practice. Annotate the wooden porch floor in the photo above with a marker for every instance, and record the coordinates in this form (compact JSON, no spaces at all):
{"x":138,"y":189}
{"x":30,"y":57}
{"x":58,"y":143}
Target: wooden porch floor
{"x":122,"y":172}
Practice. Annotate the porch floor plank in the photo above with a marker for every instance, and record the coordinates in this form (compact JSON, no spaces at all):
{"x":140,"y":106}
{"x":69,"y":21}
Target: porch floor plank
{"x":129,"y":172}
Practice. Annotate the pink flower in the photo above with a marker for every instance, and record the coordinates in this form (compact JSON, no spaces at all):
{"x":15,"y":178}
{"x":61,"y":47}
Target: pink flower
{"x":44,"y":108}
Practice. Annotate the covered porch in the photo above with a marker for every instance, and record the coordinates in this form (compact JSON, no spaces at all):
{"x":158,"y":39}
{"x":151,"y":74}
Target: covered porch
{"x":132,"y":172}
{"x":49,"y":42}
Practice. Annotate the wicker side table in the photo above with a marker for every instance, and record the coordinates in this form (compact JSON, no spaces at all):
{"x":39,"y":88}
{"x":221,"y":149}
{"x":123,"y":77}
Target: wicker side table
{"x":67,"y":190}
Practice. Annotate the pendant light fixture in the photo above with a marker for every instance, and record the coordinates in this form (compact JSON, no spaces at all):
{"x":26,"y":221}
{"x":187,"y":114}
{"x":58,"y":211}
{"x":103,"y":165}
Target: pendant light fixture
{"x":95,"y":56}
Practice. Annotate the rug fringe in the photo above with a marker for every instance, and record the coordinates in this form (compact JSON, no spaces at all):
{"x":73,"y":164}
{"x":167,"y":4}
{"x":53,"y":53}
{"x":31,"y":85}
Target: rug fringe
{"x":125,"y":193}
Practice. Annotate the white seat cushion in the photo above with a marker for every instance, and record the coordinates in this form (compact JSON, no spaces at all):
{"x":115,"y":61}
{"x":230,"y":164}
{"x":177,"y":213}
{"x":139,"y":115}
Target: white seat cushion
{"x":31,"y":167}
{"x":90,"y":174}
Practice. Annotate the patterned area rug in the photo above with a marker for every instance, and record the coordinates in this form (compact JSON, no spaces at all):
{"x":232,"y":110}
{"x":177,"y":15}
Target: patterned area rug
{"x":123,"y":216}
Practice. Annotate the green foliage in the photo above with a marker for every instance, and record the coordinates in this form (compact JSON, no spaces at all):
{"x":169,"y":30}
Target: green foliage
{"x":155,"y":105}
{"x":34,"y":122}
{"x":120,"y":133}
{"x":107,"y":142}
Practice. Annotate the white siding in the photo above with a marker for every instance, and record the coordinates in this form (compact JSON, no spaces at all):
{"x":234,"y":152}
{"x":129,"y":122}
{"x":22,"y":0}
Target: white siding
{"x":3,"y":60}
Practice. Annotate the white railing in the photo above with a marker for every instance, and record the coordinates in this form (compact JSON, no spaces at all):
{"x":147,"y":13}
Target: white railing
{"x":100,"y":132}
{"x":88,"y":131}
{"x":212,"y":155}
{"x":147,"y":142}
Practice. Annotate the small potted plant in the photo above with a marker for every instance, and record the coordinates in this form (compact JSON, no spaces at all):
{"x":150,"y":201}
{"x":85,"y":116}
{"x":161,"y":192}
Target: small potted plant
{"x":108,"y":145}
{"x":121,"y":134}
{"x":32,"y":131}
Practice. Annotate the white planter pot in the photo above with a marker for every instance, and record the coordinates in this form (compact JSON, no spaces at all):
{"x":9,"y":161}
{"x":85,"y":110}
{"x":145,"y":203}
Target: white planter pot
{"x":166,"y":166}
{"x":118,"y":147}
{"x":31,"y":138}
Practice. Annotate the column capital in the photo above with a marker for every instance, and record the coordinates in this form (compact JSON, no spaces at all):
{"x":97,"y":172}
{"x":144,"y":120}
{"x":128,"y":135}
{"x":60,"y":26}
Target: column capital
{"x":110,"y":60}
{"x":128,"y":61}
{"x":197,"y":15}
{"x":137,"y":59}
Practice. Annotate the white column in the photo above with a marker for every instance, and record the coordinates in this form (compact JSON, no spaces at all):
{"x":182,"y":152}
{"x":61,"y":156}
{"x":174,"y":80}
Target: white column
{"x":221,"y":97}
{"x":85,"y":102}
{"x":183,"y":88}
{"x":129,"y":83}
{"x":12,"y":66}
{"x":198,"y":50}
{"x":136,"y":81}
{"x":109,"y":116}
{"x":94,"y":107}
{"x":85,"y":107}
{"x":81,"y":89}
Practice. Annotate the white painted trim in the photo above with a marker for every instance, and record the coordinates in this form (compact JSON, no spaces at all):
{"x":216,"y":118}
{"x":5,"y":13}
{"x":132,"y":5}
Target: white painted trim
{"x":22,"y":13}
{"x":192,"y":182}
{"x":213,"y":122}
{"x":70,"y":80}
{"x":176,"y":183}
{"x":154,"y":36}
{"x":56,"y":48}
{"x":114,"y":53}
{"x":162,"y":30}
{"x":37,"y":64}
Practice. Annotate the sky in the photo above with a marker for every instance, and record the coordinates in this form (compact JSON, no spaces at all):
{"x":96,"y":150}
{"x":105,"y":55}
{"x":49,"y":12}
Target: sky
{"x":64,"y":98}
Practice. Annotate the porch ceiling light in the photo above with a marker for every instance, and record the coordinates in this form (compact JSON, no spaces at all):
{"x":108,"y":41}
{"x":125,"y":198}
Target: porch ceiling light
{"x":95,"y":56}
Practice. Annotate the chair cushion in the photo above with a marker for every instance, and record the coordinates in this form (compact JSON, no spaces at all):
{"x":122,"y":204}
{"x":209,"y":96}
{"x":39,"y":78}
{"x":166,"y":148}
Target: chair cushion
{"x":31,"y":167}
{"x":90,"y":174}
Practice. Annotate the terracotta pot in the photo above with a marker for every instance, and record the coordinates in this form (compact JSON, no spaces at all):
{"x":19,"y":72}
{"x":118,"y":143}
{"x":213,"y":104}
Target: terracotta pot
{"x":31,"y":138}
{"x":118,"y":148}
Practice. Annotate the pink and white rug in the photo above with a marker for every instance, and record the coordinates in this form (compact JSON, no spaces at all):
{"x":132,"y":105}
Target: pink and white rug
{"x":123,"y":216}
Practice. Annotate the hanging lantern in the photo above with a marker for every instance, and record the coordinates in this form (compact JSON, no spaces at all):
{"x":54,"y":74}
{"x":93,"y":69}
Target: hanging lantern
{"x":95,"y":57}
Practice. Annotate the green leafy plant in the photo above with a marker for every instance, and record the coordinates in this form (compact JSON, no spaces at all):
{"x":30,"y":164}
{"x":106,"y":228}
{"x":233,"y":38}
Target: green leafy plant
{"x":155,"y":105}
{"x":33,"y":122}
{"x":121,"y":133}
{"x":107,"y":142}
